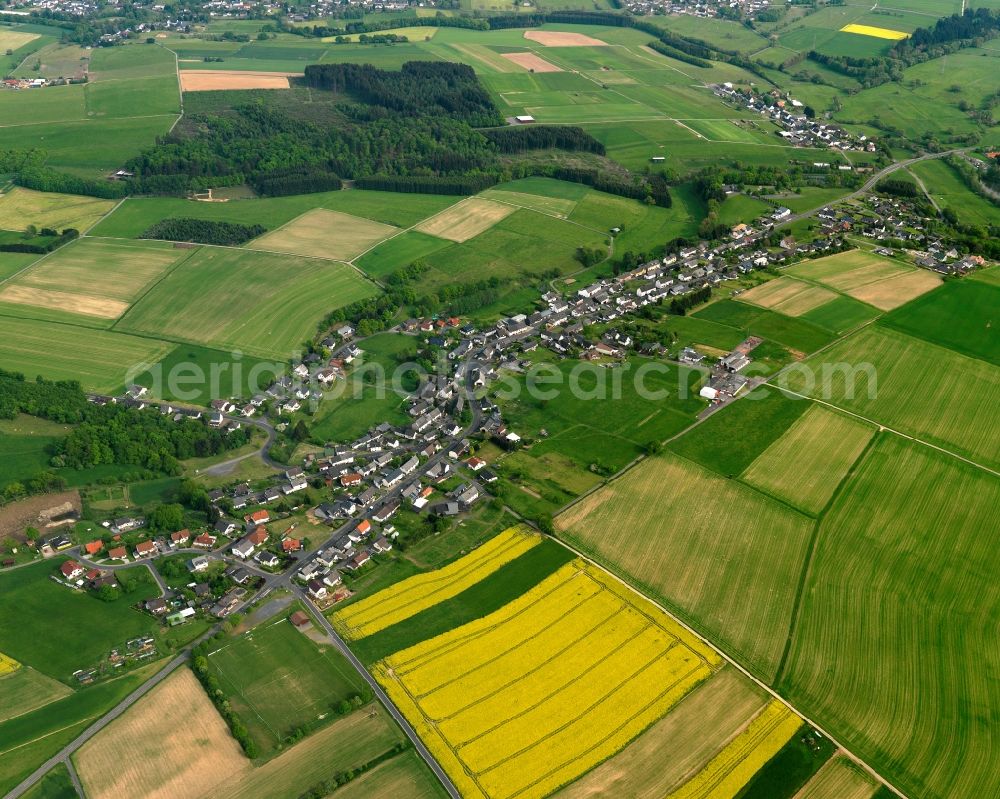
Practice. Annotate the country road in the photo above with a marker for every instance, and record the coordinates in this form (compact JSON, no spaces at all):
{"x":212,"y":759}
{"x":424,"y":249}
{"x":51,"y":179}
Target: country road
{"x":382,"y":697}
{"x":870,"y":183}
{"x":64,"y":754}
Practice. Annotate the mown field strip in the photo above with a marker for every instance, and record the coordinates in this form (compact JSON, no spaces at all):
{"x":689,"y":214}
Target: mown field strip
{"x":805,"y":465}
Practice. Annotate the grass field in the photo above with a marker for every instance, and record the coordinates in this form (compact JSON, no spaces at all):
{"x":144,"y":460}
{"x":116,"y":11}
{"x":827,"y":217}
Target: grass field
{"x":731,"y":769}
{"x":423,"y":591}
{"x":807,"y":464}
{"x":399,"y":251}
{"x":325,"y":234}
{"x":343,"y":745}
{"x":89,"y":630}
{"x":179,"y":747}
{"x":839,"y":779}
{"x":841,"y":315}
{"x":693,"y":733}
{"x":20,"y":207}
{"x":404,"y":777}
{"x":265,"y":304}
{"x":32,"y":738}
{"x":465,"y":220}
{"x":732,"y":438}
{"x":99,"y":359}
{"x":729,"y":568}
{"x":25,"y":690}
{"x":277,"y":679}
{"x":527,"y":698}
{"x":798,"y":335}
{"x":961,"y":315}
{"x":595,"y":423}
{"x":93,"y":277}
{"x":897,"y":382}
{"x":872,"y":653}
{"x":23,"y":447}
{"x":216,"y":375}
{"x":948,"y":189}
{"x":136,"y":215}
{"x":88,"y":147}
{"x":54,"y":785}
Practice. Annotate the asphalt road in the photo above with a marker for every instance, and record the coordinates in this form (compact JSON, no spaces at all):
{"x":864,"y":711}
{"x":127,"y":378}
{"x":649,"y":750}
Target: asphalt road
{"x":63,"y":755}
{"x":382,"y":697}
{"x":271,"y":582}
{"x":870,"y":183}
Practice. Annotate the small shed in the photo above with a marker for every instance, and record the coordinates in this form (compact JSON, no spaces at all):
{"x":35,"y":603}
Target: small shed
{"x":300,"y":620}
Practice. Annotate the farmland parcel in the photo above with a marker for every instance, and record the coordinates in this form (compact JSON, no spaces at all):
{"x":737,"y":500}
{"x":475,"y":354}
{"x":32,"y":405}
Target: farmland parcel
{"x":262,"y":303}
{"x":179,"y":747}
{"x":409,"y":597}
{"x":527,"y":698}
{"x":731,"y":567}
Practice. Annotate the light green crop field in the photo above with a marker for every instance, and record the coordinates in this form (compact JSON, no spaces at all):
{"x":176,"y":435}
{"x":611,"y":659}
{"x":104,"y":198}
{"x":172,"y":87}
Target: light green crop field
{"x":264,"y":304}
{"x":50,"y":104}
{"x":21,"y":207}
{"x":325,"y":234}
{"x":277,"y":679}
{"x":892,"y":633}
{"x":97,"y":276}
{"x":913,"y":386}
{"x":99,"y":359}
{"x":947,"y":188}
{"x":807,"y":464}
{"x":136,"y":215}
{"x":89,"y":148}
{"x":729,"y":567}
{"x":26,"y":690}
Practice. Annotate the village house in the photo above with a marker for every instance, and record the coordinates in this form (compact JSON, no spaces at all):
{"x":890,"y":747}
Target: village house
{"x":71,"y":570}
{"x":145,"y":549}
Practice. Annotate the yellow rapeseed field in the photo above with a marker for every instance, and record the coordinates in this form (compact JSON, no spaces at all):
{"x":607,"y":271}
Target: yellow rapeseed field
{"x":409,"y":597}
{"x":525,"y":700}
{"x":731,"y":769}
{"x":878,"y":33}
{"x":8,"y":665}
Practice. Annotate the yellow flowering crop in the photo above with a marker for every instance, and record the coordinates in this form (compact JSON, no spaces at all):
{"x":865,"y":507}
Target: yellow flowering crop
{"x":878,"y":33}
{"x":526,"y":699}
{"x":409,"y":597}
{"x":7,"y":664}
{"x":731,"y":769}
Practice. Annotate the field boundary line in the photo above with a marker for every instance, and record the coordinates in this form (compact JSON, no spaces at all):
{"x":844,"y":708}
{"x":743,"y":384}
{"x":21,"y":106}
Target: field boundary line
{"x":43,"y":737}
{"x":733,"y":662}
{"x":147,"y":289}
{"x":811,"y":552}
{"x":899,"y":433}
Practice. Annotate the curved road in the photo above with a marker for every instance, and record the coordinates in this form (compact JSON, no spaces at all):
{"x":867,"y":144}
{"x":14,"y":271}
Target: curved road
{"x":870,"y":183}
